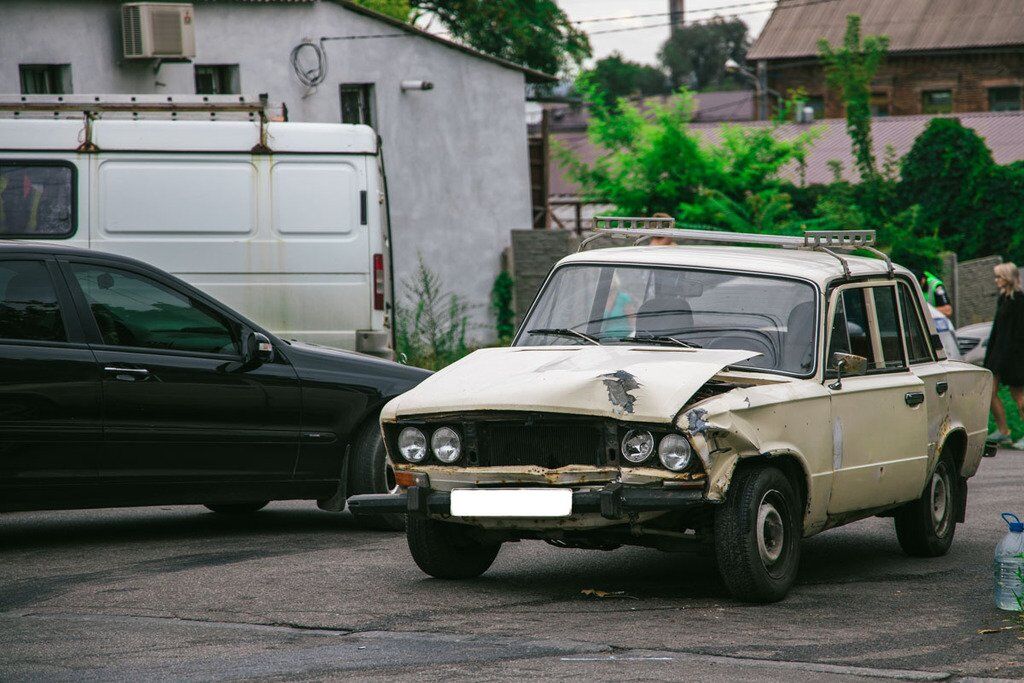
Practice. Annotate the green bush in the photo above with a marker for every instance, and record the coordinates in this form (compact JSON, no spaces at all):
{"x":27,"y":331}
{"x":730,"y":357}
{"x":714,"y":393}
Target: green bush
{"x":501,"y":306}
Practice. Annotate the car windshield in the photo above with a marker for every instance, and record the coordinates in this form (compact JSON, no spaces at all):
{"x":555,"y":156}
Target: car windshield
{"x":588,"y":304}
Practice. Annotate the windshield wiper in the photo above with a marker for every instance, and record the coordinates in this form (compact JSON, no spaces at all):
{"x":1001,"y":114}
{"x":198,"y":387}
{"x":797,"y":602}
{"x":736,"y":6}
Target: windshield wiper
{"x":564,"y":332}
{"x":660,"y":339}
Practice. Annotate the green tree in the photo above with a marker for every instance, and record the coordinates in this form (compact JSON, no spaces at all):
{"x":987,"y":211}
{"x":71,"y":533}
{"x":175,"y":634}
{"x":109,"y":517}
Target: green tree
{"x":534,"y":33}
{"x":398,"y":9}
{"x":618,"y":77}
{"x":695,"y":54}
{"x":653,"y":162}
{"x":850,"y":69}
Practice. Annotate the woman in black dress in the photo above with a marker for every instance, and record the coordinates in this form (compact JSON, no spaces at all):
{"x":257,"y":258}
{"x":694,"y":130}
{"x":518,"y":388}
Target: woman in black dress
{"x":1005,"y":354}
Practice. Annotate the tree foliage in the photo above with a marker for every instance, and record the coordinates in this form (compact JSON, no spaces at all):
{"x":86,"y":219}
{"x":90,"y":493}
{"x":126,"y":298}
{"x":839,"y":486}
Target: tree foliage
{"x":397,"y":9}
{"x":653,"y":162}
{"x":617,"y":77}
{"x":850,"y":69}
{"x":695,"y":54}
{"x":534,"y":33}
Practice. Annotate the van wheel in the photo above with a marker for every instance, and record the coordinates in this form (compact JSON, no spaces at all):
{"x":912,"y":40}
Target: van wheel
{"x":446,"y":550}
{"x":237,"y":508}
{"x":370,"y":472}
{"x":925,"y":527}
{"x":757,"y":535}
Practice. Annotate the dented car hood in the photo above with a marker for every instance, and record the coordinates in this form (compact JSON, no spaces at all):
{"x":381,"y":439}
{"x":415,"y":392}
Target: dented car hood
{"x":634,"y":383}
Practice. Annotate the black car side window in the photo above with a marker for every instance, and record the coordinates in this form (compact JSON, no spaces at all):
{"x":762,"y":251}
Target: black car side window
{"x":133,"y":310}
{"x":28,"y":309}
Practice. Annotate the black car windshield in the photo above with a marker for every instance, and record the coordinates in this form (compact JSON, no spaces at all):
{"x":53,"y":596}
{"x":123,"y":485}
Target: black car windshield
{"x":586,"y":304}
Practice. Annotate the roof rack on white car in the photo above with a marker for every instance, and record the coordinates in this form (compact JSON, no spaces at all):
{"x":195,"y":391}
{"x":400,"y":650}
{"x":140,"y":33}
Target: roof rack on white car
{"x":825,"y":241}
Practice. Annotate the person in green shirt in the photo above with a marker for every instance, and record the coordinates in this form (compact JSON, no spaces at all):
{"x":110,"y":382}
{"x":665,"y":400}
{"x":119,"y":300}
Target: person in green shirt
{"x":935,"y":293}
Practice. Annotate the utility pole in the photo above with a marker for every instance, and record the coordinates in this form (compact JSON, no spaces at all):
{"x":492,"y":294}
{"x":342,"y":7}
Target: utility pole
{"x":676,"y":12}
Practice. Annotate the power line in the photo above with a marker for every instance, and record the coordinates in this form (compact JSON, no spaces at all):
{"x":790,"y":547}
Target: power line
{"x":784,"y":5}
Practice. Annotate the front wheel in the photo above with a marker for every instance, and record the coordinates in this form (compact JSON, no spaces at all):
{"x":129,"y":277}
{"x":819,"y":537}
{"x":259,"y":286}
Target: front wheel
{"x":925,"y":527}
{"x":446,"y":550}
{"x":757,"y":535}
{"x":372,"y":473}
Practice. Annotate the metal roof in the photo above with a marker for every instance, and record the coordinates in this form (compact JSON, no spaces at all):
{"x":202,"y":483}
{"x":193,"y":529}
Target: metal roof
{"x":795,"y":26}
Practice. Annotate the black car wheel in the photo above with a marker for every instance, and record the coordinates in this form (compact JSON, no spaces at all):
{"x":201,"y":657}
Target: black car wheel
{"x":237,"y":508}
{"x":446,"y":550}
{"x":757,"y":535}
{"x":371,"y":472}
{"x":925,"y":527}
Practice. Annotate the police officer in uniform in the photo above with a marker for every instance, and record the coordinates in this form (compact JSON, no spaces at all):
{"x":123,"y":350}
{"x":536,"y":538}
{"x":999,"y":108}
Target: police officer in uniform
{"x":935,"y":293}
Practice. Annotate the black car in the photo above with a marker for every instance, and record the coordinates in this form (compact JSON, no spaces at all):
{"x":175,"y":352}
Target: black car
{"x":122,"y":385}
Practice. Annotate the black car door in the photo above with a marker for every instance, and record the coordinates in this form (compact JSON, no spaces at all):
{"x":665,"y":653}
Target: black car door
{"x":50,"y":402}
{"x":179,"y":403}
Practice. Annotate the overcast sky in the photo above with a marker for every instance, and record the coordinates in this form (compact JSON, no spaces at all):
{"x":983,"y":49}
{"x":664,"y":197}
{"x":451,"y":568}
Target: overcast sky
{"x":642,"y":45}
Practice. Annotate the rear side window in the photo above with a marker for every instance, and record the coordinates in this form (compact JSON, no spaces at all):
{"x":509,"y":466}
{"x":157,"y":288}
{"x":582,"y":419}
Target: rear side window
{"x":28,"y":308}
{"x":134,"y":311}
{"x":36,"y":200}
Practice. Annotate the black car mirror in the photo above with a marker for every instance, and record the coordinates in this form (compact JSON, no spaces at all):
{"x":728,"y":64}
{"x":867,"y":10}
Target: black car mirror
{"x":256,"y":349}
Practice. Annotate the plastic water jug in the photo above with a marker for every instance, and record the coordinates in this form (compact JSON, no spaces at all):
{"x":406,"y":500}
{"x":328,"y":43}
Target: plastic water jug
{"x":1010,"y":566}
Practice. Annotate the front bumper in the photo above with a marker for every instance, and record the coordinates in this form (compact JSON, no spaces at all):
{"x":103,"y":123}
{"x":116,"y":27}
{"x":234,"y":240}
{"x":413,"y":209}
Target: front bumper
{"x":614,"y":501}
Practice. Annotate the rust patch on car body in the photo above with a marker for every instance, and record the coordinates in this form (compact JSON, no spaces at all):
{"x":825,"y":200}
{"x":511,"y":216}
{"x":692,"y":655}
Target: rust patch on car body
{"x":619,"y":384}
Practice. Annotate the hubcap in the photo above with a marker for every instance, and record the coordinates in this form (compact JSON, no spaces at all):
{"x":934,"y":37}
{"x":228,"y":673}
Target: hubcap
{"x":771,"y":533}
{"x":940,"y":502}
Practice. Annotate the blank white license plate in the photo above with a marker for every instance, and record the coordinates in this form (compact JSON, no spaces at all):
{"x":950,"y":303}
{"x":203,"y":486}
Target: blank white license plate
{"x":511,"y":502}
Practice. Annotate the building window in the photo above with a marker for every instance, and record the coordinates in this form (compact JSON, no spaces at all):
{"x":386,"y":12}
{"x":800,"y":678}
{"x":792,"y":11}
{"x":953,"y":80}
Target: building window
{"x":879,"y":104}
{"x":817,"y":103}
{"x":937,"y":102}
{"x":217,"y":79}
{"x":357,"y":104}
{"x":45,"y":79}
{"x":1004,"y":99}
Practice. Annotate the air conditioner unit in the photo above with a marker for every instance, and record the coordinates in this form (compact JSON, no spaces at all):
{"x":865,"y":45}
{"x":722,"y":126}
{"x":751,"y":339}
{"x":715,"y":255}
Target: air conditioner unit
{"x":158,"y":30}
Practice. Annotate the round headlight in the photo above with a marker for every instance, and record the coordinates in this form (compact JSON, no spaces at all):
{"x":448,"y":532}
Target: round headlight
{"x":637,"y":445}
{"x":446,"y":445}
{"x":675,"y":452}
{"x":412,"y":444}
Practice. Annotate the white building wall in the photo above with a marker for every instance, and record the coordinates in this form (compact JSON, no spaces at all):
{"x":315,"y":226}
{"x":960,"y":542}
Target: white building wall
{"x":456,"y":156}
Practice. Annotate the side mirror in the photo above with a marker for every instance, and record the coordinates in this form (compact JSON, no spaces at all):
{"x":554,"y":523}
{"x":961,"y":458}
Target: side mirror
{"x":257,"y":349}
{"x":849,"y":364}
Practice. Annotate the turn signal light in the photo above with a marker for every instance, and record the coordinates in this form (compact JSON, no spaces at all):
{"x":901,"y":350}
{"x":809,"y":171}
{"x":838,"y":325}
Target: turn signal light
{"x":408,"y":479}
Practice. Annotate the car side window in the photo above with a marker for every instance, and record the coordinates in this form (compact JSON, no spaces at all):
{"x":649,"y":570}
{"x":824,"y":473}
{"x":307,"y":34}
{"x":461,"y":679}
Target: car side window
{"x":917,"y":341}
{"x":135,"y":311}
{"x":28,"y":308}
{"x":865,"y":324}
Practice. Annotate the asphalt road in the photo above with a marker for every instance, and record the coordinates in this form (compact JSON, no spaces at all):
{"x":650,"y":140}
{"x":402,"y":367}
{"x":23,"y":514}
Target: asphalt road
{"x":296,"y":593}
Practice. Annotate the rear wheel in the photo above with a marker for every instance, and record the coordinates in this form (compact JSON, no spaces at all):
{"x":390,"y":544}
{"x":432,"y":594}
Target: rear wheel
{"x":448,"y":551}
{"x":371,"y":472}
{"x":925,"y":527}
{"x":757,"y":535}
{"x":237,"y":508}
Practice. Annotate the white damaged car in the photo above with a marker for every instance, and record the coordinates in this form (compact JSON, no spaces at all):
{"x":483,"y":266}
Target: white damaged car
{"x":734,"y":399}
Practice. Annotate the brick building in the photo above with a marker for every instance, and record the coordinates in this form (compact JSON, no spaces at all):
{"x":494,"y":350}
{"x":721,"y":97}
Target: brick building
{"x":945,"y":56}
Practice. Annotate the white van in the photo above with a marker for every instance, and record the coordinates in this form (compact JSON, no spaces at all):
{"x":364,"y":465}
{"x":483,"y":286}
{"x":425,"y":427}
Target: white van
{"x":284,"y":222}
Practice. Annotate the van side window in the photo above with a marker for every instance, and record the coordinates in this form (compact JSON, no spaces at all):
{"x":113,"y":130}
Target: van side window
{"x":28,"y":307}
{"x":135,"y":311}
{"x":917,"y":341}
{"x":36,"y":200}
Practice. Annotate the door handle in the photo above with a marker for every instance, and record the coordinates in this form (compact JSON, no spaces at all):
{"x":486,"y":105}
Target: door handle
{"x":914,"y":398}
{"x":127,"y":374}
{"x":941,"y":388}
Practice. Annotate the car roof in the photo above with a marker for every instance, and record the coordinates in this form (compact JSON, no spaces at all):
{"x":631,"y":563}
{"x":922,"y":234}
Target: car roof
{"x":817,"y":266}
{"x":58,"y":248}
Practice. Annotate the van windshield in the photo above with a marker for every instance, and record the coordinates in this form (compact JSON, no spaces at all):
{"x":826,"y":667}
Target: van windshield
{"x":585,"y":304}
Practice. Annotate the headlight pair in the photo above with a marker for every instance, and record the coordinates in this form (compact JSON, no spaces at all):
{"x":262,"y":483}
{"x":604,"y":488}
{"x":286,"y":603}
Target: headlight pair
{"x":444,"y":442}
{"x":674,"y":450}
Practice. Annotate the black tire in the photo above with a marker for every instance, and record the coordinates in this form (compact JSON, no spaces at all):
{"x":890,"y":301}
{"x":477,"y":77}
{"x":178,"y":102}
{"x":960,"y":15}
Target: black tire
{"x":925,"y":527}
{"x":237,"y":508}
{"x":757,"y":535}
{"x":370,"y":472}
{"x":446,"y":550}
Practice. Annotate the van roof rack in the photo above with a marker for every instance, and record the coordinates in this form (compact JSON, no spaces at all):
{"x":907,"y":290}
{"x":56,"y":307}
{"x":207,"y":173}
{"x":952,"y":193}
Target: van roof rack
{"x":193,"y":107}
{"x":826,"y":241}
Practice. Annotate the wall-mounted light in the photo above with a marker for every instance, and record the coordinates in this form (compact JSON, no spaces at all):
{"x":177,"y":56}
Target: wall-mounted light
{"x":417,"y":85}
